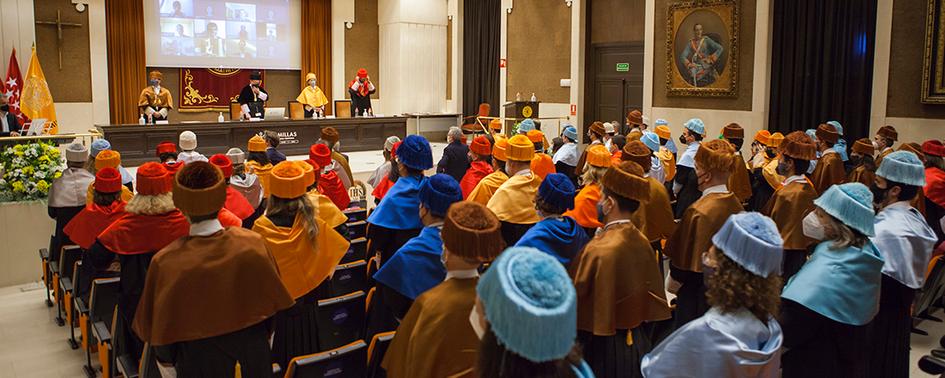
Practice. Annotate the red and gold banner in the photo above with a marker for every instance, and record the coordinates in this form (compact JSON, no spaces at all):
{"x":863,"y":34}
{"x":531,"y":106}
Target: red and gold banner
{"x":211,"y":89}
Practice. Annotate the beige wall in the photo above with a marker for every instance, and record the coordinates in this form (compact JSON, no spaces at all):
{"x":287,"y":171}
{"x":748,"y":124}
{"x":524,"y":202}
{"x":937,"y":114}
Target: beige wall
{"x":361,"y":45}
{"x":905,"y":66}
{"x":616,"y":21}
{"x":539,"y":50}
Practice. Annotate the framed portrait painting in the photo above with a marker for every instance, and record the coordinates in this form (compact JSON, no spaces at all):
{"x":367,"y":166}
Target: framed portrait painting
{"x":933,"y":66}
{"x":702,"y":48}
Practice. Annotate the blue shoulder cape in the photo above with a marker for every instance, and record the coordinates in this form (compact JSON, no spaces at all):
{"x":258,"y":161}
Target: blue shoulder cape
{"x":842,"y":285}
{"x":415,"y":267}
{"x":400,"y":208}
{"x":688,"y":157}
{"x":561,"y":237}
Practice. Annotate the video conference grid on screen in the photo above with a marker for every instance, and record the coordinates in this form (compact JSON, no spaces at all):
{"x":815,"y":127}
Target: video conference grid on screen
{"x":221,"y":28}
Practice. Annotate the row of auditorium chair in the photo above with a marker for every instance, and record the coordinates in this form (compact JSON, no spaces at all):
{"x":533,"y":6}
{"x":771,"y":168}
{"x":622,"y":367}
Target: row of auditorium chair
{"x":343,"y":304}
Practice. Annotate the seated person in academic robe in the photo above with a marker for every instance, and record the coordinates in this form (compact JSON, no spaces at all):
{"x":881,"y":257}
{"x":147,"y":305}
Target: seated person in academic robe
{"x":188,"y":145}
{"x":829,"y":170}
{"x":109,"y":159}
{"x":487,"y":187}
{"x":585,"y":204}
{"x":667,"y":151}
{"x":686,"y":183}
{"x":151,"y":223}
{"x":480,"y":164}
{"x":247,"y":184}
{"x":883,"y":141}
{"x":825,"y":316}
{"x":209,"y":295}
{"x":863,"y":168}
{"x":360,"y":90}
{"x":306,"y":252}
{"x":272,"y":142}
{"x":595,"y":133}
{"x":617,"y":143}
{"x":713,"y":166}
{"x":905,"y":241}
{"x":339,"y":163}
{"x":329,"y":183}
{"x":918,"y":201}
{"x":416,"y":267}
{"x":566,"y":157}
{"x":514,"y":201}
{"x":106,"y":208}
{"x":542,"y":165}
{"x":166,"y":153}
{"x":155,"y":102}
{"x":435,"y":338}
{"x":67,"y":194}
{"x":655,"y":217}
{"x":618,"y":281}
{"x":384,"y":169}
{"x":934,"y":190}
{"x":793,"y":201}
{"x":455,"y":160}
{"x":312,"y":98}
{"x":764,"y":165}
{"x":397,"y":218}
{"x":387,"y":182}
{"x":738,"y":182}
{"x":235,"y":203}
{"x":656,"y":168}
{"x":252,"y":98}
{"x":99,"y":145}
{"x":258,"y":162}
{"x":525,"y":286}
{"x":739,"y":335}
{"x":555,"y":233}
{"x":326,"y":210}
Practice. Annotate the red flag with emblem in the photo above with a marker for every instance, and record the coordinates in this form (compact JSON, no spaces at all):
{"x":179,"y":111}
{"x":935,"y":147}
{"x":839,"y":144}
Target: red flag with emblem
{"x":13,"y":87}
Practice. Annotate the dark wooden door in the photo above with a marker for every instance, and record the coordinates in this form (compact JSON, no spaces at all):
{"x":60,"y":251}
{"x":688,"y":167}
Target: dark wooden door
{"x":611,"y":90}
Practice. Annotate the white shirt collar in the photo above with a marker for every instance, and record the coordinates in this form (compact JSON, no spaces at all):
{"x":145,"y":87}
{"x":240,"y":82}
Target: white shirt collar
{"x":715,"y":189}
{"x":795,"y":178}
{"x":524,"y":172}
{"x":618,"y":221}
{"x":900,"y":204}
{"x":463,"y":274}
{"x":828,"y":151}
{"x":206,"y":228}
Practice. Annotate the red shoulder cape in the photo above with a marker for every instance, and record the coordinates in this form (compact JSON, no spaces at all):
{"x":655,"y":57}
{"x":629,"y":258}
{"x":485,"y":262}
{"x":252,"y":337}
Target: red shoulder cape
{"x":91,"y":221}
{"x":135,"y":234}
{"x":382,"y":187}
{"x":237,"y":204}
{"x":329,"y":184}
{"x":228,"y":219}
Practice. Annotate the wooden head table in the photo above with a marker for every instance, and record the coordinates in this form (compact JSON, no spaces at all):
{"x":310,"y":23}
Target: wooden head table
{"x":137,"y":143}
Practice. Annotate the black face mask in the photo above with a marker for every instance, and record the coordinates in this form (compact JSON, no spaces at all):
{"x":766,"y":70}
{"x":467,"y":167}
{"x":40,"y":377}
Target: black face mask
{"x":856,"y":161}
{"x":770,"y":153}
{"x":879,"y":194}
{"x":663,"y":141}
{"x":5,"y":108}
{"x":682,"y":139}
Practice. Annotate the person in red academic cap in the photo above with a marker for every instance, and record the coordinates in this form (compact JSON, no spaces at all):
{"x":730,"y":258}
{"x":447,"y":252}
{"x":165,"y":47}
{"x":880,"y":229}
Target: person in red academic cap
{"x":151,"y":223}
{"x":167,"y":152}
{"x":236,"y":203}
{"x":360,"y":90}
{"x":105,"y":208}
{"x":329,"y":183}
{"x":480,"y":157}
{"x":934,"y":189}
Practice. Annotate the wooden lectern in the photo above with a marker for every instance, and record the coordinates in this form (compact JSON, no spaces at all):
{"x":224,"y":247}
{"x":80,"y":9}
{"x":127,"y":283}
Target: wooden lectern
{"x":518,"y":111}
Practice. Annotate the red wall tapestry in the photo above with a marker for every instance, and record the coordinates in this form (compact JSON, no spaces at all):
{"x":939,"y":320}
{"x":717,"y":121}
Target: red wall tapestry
{"x":211,"y":89}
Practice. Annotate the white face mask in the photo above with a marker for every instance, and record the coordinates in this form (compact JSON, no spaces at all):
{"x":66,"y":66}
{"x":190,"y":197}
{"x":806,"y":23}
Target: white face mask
{"x":476,"y":322}
{"x":941,"y":223}
{"x":812,"y":227}
{"x":875,"y":145}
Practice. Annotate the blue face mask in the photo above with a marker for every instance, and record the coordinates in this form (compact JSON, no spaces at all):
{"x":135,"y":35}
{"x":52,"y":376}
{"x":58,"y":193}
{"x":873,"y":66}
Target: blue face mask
{"x":155,"y":83}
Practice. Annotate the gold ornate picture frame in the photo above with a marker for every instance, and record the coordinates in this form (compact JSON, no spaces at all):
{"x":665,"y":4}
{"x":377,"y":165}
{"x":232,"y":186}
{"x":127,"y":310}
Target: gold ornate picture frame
{"x":702,"y":48}
{"x":933,"y":66}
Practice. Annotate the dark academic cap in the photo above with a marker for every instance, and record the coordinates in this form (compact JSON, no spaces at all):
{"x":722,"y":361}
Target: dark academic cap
{"x":256,"y":75}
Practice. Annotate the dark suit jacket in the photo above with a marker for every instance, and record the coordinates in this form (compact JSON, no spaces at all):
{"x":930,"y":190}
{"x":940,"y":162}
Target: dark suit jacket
{"x":14,"y":125}
{"x":454,"y":161}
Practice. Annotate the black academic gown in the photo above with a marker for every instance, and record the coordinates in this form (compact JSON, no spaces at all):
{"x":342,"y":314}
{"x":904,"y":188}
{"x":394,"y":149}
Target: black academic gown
{"x":360,"y":103}
{"x":256,"y":106}
{"x":686,"y":177}
{"x":817,"y":346}
{"x":891,"y":330}
{"x":761,"y":191}
{"x":62,"y":216}
{"x":217,"y":356}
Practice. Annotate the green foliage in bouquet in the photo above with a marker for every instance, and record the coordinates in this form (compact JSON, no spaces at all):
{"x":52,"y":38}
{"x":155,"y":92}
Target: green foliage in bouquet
{"x":29,"y":170}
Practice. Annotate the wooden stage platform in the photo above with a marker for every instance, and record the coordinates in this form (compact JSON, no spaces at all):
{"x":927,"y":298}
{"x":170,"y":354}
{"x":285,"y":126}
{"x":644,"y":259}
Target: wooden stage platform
{"x":137,"y":143}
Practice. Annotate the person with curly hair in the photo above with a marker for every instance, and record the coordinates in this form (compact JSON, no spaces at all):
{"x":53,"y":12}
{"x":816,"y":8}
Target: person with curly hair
{"x":828,"y":305}
{"x":739,"y":335}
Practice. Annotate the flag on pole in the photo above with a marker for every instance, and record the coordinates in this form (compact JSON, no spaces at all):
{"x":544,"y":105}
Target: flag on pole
{"x":11,"y":88}
{"x":36,"y":101}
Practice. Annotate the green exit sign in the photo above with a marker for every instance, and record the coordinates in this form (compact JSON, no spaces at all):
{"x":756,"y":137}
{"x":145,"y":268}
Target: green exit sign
{"x":623,"y":67}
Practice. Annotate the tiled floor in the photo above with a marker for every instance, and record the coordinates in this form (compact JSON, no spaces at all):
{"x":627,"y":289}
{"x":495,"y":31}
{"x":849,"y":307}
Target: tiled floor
{"x":31,"y":345}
